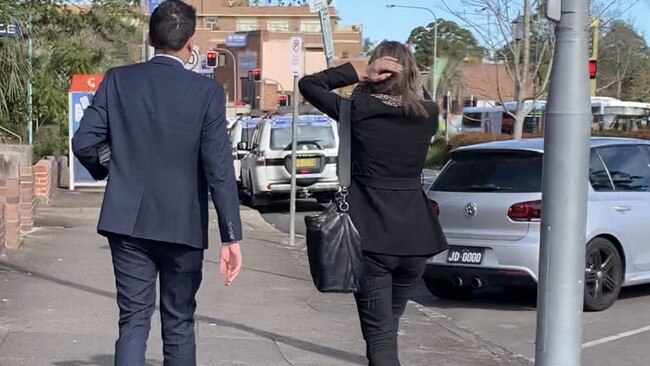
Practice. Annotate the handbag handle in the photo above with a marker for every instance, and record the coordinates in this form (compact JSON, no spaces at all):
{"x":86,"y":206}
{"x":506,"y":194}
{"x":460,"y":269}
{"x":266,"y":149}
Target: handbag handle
{"x":343,"y":168}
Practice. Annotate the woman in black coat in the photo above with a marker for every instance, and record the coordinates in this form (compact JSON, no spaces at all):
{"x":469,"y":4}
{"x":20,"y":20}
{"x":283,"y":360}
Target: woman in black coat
{"x":392,"y":127}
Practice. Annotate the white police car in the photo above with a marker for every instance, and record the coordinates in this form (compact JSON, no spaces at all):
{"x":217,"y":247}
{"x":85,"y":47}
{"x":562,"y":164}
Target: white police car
{"x":266,"y":169}
{"x":241,"y":131}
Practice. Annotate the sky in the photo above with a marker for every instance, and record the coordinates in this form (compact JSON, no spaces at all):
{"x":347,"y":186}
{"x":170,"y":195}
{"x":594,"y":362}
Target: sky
{"x":381,"y":23}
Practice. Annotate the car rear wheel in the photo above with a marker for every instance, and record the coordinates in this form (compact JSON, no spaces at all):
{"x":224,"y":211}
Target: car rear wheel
{"x":603,"y":275}
{"x":446,"y":290}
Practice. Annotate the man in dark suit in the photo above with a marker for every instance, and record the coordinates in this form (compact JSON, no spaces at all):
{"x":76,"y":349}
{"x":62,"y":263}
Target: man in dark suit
{"x":165,"y":128}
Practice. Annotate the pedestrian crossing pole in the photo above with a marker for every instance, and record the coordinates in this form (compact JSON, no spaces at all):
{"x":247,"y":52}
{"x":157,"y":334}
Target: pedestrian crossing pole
{"x":296,"y":70}
{"x":564,"y":190}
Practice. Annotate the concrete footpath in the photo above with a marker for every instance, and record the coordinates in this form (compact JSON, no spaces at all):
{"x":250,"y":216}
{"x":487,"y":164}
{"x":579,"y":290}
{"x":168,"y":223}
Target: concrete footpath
{"x":57,"y":305}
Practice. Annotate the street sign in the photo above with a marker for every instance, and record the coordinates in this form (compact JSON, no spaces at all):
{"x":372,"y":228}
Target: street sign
{"x":317,"y":5}
{"x":328,"y":41}
{"x":195,"y":59}
{"x":82,"y":90}
{"x":10,"y":30}
{"x":296,"y":55}
{"x":236,"y":40}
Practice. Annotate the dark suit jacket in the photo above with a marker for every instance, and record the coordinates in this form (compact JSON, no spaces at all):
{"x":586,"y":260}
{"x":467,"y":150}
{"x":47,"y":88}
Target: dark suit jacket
{"x":166,"y":130}
{"x":387,"y":204}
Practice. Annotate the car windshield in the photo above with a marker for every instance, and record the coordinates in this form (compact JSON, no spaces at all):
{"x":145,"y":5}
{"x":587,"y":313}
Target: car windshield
{"x":492,"y":171}
{"x":318,"y":131}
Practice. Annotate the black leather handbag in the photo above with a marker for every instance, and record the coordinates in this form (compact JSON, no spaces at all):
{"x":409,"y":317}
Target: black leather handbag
{"x":333,"y":243}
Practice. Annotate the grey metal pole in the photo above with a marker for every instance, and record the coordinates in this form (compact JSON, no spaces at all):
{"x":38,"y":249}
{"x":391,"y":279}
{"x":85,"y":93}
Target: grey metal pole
{"x":294,"y":148}
{"x":30,"y":94}
{"x":564,"y":188}
{"x":434,"y":84}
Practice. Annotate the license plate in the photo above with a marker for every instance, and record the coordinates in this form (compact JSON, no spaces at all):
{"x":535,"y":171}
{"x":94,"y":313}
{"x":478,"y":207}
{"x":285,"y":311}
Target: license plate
{"x":306,"y":163}
{"x":465,"y":255}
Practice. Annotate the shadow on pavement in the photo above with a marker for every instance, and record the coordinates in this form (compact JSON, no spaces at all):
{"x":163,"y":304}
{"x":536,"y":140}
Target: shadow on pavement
{"x":98,"y":360}
{"x":496,"y":298}
{"x":294,"y":342}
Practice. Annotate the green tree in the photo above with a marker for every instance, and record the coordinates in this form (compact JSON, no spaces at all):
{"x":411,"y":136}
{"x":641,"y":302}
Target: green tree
{"x":638,"y":88}
{"x":455,"y":43}
{"x":622,"y":54}
{"x":368,"y":46}
{"x":68,"y":39}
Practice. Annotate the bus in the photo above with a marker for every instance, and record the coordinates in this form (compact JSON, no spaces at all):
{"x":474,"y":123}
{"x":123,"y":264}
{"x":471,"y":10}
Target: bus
{"x":608,"y":114}
{"x":614,"y":114}
{"x":500,"y":119}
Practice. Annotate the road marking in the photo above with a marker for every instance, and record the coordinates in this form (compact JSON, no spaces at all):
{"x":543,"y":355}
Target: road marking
{"x":616,"y":337}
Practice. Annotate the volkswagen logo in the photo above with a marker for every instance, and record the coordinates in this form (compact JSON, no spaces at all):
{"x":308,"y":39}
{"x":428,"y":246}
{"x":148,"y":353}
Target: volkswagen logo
{"x":470,"y":210}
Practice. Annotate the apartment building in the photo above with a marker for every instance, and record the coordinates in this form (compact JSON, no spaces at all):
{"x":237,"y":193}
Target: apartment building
{"x":252,"y":37}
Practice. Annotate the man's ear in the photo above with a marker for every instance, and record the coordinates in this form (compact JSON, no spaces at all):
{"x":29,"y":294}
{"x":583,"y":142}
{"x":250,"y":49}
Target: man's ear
{"x":190,"y":44}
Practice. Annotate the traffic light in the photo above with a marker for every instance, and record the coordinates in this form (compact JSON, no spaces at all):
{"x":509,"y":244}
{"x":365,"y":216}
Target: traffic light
{"x":593,"y":69}
{"x":211,"y":59}
{"x":257,"y":75}
{"x":282,"y":101}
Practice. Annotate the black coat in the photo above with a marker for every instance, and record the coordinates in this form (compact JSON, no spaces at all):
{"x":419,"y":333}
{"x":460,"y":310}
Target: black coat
{"x":387,"y":204}
{"x":166,"y":130}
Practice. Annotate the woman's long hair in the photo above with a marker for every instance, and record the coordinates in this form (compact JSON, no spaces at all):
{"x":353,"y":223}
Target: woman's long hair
{"x":406,"y":84}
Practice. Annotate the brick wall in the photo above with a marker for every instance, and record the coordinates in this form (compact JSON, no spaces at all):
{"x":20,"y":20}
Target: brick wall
{"x":10,"y":196}
{"x":27,"y":198}
{"x":43,"y":180}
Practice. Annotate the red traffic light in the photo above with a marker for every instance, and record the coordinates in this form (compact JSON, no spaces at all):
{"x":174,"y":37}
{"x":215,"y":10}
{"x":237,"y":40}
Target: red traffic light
{"x":211,"y":59}
{"x":593,"y":69}
{"x":257,"y":75}
{"x":282,"y":101}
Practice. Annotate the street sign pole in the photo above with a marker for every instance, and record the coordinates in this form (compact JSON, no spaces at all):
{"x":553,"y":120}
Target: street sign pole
{"x":296,"y":70}
{"x":323,"y":10}
{"x":564,"y":188}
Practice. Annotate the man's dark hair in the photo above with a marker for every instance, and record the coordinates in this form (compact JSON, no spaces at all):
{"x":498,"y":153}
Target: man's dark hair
{"x":171,"y":25}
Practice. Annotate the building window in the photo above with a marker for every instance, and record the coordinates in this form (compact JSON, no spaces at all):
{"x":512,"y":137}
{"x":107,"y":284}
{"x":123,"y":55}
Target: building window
{"x":247,"y":24}
{"x":211,"y":23}
{"x":278,"y":25}
{"x":310,"y":26}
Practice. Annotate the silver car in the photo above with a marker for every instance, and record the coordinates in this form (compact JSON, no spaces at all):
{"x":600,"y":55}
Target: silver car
{"x":489,"y":201}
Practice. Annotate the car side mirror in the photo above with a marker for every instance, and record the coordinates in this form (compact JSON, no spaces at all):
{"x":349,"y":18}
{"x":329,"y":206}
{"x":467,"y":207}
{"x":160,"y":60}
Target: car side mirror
{"x":243,"y":145}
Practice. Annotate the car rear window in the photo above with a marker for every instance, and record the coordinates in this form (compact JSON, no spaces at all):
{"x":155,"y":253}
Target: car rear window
{"x":314,"y":130}
{"x":492,"y":171}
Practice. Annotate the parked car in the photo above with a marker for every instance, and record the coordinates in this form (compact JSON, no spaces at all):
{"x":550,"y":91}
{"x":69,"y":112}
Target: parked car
{"x":241,"y":131}
{"x":488,"y":198}
{"x":266,"y":170}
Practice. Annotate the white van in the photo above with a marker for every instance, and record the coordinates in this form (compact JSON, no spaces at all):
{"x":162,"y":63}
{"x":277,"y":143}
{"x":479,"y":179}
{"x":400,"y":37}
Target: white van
{"x":266,"y":169}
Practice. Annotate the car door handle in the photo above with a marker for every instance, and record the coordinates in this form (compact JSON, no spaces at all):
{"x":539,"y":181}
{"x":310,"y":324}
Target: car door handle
{"x":623,"y":208}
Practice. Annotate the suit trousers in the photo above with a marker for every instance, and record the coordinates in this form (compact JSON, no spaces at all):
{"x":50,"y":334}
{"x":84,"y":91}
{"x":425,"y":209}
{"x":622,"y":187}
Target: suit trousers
{"x":137,"y":264}
{"x":389,"y":282}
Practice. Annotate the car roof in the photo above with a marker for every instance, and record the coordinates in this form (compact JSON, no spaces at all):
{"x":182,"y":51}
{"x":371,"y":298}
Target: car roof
{"x":537,"y":144}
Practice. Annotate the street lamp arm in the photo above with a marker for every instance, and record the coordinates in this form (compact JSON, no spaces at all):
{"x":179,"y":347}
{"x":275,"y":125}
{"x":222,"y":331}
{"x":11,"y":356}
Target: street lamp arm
{"x":234,"y":66}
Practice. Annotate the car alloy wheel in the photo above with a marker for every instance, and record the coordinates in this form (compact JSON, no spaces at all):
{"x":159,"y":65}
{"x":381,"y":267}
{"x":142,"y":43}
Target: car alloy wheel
{"x":603,"y":275}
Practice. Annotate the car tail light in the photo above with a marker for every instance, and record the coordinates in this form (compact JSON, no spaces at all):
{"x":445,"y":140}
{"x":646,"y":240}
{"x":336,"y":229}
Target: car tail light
{"x":435,"y":207}
{"x":525,"y":211}
{"x":260,"y":161}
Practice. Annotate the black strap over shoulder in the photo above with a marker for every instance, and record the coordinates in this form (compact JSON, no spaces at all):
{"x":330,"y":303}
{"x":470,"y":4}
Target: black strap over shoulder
{"x":343,"y":168}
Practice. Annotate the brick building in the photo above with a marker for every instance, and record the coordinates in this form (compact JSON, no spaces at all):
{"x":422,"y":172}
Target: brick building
{"x":259,"y":37}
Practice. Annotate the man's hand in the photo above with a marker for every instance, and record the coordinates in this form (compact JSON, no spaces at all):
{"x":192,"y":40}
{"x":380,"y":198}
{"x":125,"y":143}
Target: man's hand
{"x":231,"y":262}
